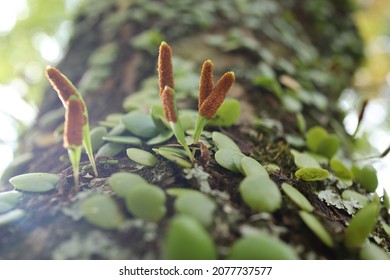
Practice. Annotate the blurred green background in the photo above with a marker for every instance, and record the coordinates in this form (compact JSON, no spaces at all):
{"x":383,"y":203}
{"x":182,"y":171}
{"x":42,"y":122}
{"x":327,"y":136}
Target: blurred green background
{"x":35,"y":33}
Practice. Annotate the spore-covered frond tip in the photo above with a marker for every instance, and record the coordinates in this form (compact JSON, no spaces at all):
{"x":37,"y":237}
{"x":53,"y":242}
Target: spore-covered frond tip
{"x":165,"y":67}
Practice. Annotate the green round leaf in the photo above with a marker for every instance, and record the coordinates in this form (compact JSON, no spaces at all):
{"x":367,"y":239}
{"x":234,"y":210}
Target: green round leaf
{"x":328,"y":146}
{"x":311,"y":174}
{"x":141,"y":157}
{"x":35,"y":182}
{"x":196,"y":205}
{"x":11,"y":216}
{"x":186,"y":239}
{"x":129,"y":140}
{"x":97,"y":134}
{"x":314,"y":224}
{"x":9,"y":200}
{"x":224,"y":142}
{"x":187,"y":119}
{"x":173,"y":156}
{"x":371,"y":251}
{"x":251,"y":166}
{"x":386,"y":200}
{"x":102,"y":211}
{"x":261,"y":247}
{"x":361,"y":225}
{"x":340,"y":170}
{"x":117,"y":130}
{"x":227,"y":114}
{"x":229,"y":159}
{"x":298,"y":198}
{"x":161,"y":138}
{"x":122,"y":182}
{"x":146,"y":202}
{"x":110,"y":149}
{"x":140,"y":124}
{"x":304,"y":160}
{"x":361,"y":199}
{"x":366,"y":176}
{"x":314,"y":137}
{"x":260,"y":193}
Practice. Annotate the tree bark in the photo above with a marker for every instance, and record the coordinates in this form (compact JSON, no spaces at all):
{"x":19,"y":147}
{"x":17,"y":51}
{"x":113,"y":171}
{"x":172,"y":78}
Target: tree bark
{"x":309,"y":47}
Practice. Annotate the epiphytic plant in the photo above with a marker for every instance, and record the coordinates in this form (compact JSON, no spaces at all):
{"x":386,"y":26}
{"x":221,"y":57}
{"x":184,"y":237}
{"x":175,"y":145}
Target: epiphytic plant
{"x":210,"y":96}
{"x":76,"y":130}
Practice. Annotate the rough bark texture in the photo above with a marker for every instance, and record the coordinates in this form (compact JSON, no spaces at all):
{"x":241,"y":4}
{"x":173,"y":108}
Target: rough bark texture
{"x":114,"y":49}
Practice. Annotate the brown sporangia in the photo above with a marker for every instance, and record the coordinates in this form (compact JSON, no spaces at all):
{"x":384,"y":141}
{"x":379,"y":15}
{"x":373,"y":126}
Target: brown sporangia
{"x":60,"y":84}
{"x":211,"y":104}
{"x":168,"y":103}
{"x":165,"y":68}
{"x":206,"y":83}
{"x":74,"y":122}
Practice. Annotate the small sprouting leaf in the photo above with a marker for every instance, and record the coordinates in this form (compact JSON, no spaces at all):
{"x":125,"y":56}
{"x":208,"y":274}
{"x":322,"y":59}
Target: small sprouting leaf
{"x":261,"y":247}
{"x":122,"y":182}
{"x":250,"y":166}
{"x":229,"y":159}
{"x":35,"y":182}
{"x":97,"y":134}
{"x":366,"y":176}
{"x":260,"y":193}
{"x":173,"y":156}
{"x":129,"y":140}
{"x":314,"y":224}
{"x":311,"y":174}
{"x":224,"y":142}
{"x":340,"y":170}
{"x":298,"y":198}
{"x":140,"y":124}
{"x":361,"y":225}
{"x":161,"y":138}
{"x":371,"y":251}
{"x":361,"y":199}
{"x":197,"y":205}
{"x":186,"y":239}
{"x":102,"y":211}
{"x":9,"y":200}
{"x":11,"y":216}
{"x":304,"y":160}
{"x":141,"y":157}
{"x":227,"y":114}
{"x":110,"y":149}
{"x":314,"y":137}
{"x":146,"y":202}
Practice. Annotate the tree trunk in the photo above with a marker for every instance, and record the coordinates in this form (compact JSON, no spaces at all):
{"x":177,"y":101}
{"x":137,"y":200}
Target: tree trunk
{"x":290,"y":58}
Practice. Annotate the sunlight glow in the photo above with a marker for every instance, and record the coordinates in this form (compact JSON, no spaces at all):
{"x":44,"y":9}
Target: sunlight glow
{"x":10,"y":11}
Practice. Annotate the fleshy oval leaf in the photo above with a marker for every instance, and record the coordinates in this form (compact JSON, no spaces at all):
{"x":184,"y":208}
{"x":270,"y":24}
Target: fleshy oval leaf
{"x":361,"y":225}
{"x":11,"y":216}
{"x":261,"y":247}
{"x":161,"y":138}
{"x":227,"y":114}
{"x":128,"y":140}
{"x":328,"y":146}
{"x":146,"y":202}
{"x":371,"y":251}
{"x":302,"y":160}
{"x":314,"y":136}
{"x":250,"y":166}
{"x":222,"y":141}
{"x":366,"y":176}
{"x":141,"y":157}
{"x":197,"y":205}
{"x":298,"y":198}
{"x":97,"y":134}
{"x":102,"y":211}
{"x":140,"y":124}
{"x":260,"y":193}
{"x":311,"y":174}
{"x":110,"y":149}
{"x":122,"y":182}
{"x":229,"y":159}
{"x":173,"y":156}
{"x":35,"y":182}
{"x":9,"y":200}
{"x":187,"y":239}
{"x":340,"y":170}
{"x":314,"y":224}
